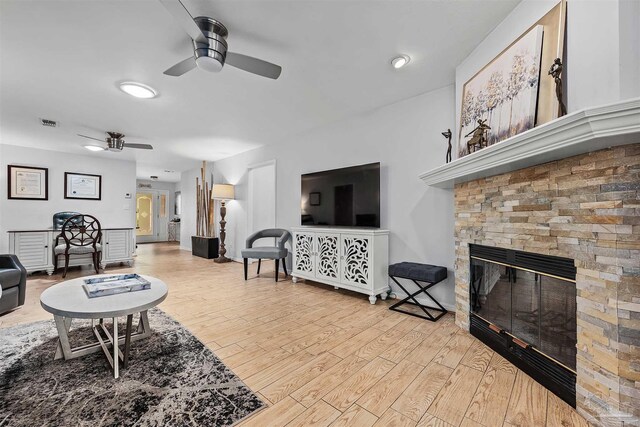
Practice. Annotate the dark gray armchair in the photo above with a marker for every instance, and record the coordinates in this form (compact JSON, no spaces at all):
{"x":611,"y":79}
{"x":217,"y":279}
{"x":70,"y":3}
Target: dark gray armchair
{"x":277,"y":252}
{"x":13,"y":280}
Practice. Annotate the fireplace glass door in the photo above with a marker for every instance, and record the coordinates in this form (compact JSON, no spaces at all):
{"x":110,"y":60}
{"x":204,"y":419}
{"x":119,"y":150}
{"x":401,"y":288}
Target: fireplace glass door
{"x":536,"y":308}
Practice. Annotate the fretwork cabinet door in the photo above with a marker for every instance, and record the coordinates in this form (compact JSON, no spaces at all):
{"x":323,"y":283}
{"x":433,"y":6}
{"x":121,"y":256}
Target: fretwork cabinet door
{"x":355,"y":259}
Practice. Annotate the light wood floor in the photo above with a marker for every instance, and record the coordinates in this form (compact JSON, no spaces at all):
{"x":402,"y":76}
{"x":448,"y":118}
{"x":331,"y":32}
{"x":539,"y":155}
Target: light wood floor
{"x":321,"y":357}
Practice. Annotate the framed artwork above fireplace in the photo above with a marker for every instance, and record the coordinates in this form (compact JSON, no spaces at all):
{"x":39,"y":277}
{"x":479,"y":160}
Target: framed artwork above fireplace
{"x":514,"y":92}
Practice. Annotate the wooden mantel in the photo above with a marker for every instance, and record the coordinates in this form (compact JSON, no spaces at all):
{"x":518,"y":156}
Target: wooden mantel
{"x":580,"y":132}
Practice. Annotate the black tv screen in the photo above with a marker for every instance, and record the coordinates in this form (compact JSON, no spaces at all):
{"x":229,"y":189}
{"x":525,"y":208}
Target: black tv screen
{"x":347,"y":197}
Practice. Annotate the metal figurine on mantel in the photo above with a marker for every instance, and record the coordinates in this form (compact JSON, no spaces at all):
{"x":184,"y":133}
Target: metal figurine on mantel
{"x":479,"y":138}
{"x":447,"y":135}
{"x":556,"y":72}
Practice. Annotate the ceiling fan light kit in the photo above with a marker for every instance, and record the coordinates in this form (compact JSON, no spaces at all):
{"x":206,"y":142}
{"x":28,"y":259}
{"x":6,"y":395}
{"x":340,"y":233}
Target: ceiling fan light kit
{"x":210,"y":54}
{"x":94,"y":148}
{"x":114,"y":142}
{"x":210,"y":46}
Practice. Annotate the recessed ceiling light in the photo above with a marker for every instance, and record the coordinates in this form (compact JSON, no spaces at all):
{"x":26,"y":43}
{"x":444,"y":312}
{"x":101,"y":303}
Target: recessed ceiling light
{"x":138,"y":90}
{"x":94,"y":148}
{"x":400,"y":61}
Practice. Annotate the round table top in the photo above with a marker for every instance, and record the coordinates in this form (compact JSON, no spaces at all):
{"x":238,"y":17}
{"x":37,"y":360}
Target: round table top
{"x":68,"y":299}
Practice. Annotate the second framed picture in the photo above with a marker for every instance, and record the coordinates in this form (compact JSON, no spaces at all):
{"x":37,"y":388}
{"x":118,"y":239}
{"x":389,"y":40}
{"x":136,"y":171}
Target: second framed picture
{"x":82,"y":186}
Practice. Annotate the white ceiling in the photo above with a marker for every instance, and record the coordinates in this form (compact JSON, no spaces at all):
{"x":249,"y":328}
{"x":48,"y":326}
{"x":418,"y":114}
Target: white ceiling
{"x":62,"y":59}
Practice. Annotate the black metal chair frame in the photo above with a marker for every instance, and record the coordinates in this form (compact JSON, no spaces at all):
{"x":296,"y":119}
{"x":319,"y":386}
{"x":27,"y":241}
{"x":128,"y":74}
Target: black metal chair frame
{"x":81,"y":233}
{"x":422,"y":289}
{"x":284,"y":267}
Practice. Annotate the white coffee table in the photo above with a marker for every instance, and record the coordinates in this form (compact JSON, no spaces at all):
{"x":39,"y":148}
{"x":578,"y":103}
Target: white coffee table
{"x":68,"y":300}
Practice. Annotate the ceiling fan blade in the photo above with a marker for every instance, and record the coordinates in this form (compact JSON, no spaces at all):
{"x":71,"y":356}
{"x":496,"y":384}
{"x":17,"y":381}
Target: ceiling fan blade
{"x":253,"y":65}
{"x":181,"y":67}
{"x":184,"y":18}
{"x":90,"y":137}
{"x":139,"y":146}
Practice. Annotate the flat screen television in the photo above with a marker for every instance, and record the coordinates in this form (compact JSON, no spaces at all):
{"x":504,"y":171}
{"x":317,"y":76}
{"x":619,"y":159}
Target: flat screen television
{"x":347,"y":197}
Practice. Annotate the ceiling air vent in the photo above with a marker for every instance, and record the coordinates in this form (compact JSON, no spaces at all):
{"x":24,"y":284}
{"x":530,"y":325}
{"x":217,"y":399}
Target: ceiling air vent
{"x":50,"y":123}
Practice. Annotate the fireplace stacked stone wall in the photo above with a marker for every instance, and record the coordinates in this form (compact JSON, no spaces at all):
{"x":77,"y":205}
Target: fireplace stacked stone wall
{"x":586,"y":208}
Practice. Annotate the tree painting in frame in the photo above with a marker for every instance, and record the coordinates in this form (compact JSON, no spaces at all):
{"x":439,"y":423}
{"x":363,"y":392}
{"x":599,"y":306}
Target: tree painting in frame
{"x":504,"y":93}
{"x":82,"y":186}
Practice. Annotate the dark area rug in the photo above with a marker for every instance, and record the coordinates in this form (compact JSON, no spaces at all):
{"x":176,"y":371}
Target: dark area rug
{"x":172,"y":380}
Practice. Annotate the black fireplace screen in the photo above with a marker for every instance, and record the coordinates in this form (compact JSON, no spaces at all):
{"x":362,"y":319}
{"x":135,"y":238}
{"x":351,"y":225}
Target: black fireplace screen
{"x":537,"y":308}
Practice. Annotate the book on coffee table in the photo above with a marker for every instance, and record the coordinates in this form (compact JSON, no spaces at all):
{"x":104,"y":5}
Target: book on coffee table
{"x":118,"y":284}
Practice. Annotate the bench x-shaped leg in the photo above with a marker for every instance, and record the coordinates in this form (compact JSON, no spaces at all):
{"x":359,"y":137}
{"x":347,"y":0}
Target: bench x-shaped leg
{"x":411,"y":296}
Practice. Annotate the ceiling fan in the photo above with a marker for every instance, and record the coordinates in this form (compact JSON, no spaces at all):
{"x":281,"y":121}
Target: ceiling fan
{"x":210,"y":46}
{"x":115,"y":142}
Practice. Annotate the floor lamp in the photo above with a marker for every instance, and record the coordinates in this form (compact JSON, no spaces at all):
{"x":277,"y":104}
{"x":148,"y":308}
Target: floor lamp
{"x":222,"y":192}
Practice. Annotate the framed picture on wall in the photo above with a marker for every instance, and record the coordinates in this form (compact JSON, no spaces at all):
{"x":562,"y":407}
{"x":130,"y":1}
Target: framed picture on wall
{"x":28,"y":183}
{"x":314,"y":199}
{"x":82,"y":186}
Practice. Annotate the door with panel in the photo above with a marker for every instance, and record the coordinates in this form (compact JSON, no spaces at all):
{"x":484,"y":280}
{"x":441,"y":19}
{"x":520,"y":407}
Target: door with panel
{"x":152,"y":216}
{"x":328,"y":256}
{"x":304,"y":254}
{"x":355,"y":257}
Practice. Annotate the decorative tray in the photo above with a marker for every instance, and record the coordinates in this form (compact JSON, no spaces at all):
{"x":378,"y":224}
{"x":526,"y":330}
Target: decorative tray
{"x":117,"y":284}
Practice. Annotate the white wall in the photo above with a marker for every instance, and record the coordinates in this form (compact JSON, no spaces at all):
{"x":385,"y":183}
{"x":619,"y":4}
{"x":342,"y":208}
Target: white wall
{"x":187,"y":187}
{"x":114,"y":210}
{"x":405,"y":137}
{"x":602,"y":49}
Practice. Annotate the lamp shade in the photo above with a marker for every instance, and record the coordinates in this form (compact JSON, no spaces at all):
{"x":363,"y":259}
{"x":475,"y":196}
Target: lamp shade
{"x":223,"y":192}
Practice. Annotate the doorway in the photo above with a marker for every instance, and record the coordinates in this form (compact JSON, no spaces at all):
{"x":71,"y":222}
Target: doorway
{"x":343,"y":206}
{"x":262,"y":197}
{"x":152,"y":216}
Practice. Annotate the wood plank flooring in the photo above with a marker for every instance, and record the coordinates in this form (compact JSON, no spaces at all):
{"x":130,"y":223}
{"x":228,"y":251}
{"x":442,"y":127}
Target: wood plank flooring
{"x":321,"y":357}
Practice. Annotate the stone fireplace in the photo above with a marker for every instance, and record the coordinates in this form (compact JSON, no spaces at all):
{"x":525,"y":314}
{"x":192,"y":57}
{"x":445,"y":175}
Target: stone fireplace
{"x":585,"y":208}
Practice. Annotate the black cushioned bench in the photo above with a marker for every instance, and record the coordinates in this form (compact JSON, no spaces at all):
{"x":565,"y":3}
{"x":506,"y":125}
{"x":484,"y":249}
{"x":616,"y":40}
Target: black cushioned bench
{"x":430,"y":275}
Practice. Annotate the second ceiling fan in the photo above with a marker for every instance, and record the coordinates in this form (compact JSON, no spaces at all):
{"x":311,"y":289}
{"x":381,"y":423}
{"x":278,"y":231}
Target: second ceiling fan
{"x":210,"y":46}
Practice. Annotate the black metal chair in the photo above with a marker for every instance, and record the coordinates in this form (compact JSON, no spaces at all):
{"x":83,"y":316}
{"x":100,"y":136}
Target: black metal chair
{"x":82,"y":235}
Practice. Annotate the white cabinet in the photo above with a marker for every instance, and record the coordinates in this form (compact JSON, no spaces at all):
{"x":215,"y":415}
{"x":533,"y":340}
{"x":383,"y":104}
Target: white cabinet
{"x":354,"y":259}
{"x":34,"y":248}
{"x":117,"y":246}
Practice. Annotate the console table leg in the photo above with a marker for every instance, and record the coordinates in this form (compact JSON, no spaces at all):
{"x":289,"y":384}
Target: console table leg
{"x":116,"y":357}
{"x":63,"y":324}
{"x":127,"y":341}
{"x":383,"y":296}
{"x":373,"y":299}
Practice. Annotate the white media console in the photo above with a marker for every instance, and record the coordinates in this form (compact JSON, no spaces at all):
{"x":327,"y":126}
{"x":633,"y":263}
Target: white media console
{"x":356,"y":259}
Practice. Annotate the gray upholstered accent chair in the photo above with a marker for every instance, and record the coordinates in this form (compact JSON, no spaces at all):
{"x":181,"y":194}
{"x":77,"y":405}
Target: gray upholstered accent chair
{"x":82,"y":235}
{"x":277,"y":252}
{"x":13,"y":280}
